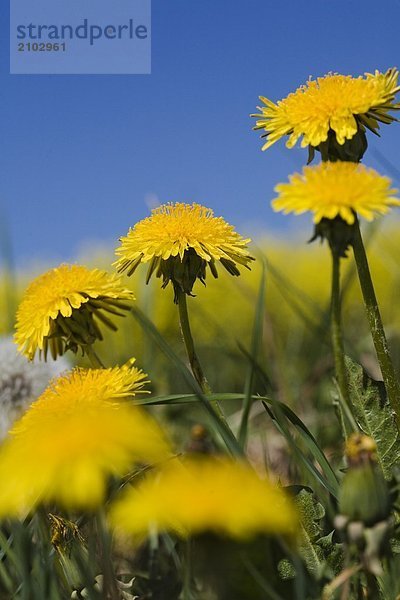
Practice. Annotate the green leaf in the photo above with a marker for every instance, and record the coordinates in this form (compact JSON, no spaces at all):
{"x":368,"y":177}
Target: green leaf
{"x":333,"y":554}
{"x":374,"y":415}
{"x":219,"y":426}
{"x":311,"y":513}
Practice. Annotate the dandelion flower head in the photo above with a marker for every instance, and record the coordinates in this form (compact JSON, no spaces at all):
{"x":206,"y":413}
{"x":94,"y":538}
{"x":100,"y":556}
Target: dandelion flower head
{"x":338,"y":189}
{"x":60,"y":307}
{"x":78,"y":433}
{"x":338,"y":103}
{"x":205,"y":494}
{"x":179,"y":241}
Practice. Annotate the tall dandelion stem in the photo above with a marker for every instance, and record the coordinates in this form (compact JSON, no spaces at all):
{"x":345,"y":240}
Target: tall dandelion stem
{"x":194,"y":362}
{"x":375,"y":324}
{"x":110,"y":589}
{"x":336,"y":330}
{"x":195,"y":365}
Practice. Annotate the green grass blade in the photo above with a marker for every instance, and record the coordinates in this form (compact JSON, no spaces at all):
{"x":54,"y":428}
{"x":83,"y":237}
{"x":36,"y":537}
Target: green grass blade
{"x":261,"y":374}
{"x":259,"y":578}
{"x":330,"y":482}
{"x":186,"y":399}
{"x":218,"y":426}
{"x":256,"y":341}
{"x":277,"y":416}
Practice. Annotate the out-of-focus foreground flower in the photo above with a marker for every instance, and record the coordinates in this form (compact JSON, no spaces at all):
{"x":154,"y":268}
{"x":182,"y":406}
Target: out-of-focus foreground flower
{"x":21,"y":382}
{"x":81,"y":431}
{"x":59,"y":309}
{"x":180,"y":241}
{"x":339,"y":189}
{"x":340,"y":103}
{"x":205,"y":494}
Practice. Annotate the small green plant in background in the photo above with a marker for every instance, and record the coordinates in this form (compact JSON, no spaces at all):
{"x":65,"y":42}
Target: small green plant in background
{"x":260,"y":468}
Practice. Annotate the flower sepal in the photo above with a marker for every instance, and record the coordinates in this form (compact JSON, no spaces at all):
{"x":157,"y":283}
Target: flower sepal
{"x":182,"y":273}
{"x":80,"y":330}
{"x":61,"y":310}
{"x":352,"y":150}
{"x":336,"y":232}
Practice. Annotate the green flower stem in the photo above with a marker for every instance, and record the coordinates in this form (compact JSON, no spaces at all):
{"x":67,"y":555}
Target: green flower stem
{"x":375,"y":324}
{"x":109,"y":588}
{"x":187,"y":570}
{"x":194,"y":362}
{"x":95,"y":361}
{"x":336,"y":330}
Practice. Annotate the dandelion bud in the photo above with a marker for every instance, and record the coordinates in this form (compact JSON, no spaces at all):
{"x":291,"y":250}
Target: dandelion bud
{"x":364,"y":494}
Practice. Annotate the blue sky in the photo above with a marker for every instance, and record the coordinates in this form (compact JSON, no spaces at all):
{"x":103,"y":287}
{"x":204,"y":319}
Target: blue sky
{"x":81,"y":157}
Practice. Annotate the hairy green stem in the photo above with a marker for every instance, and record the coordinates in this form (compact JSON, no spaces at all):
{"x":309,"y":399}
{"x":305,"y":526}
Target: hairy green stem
{"x":194,"y":362}
{"x":375,"y":324}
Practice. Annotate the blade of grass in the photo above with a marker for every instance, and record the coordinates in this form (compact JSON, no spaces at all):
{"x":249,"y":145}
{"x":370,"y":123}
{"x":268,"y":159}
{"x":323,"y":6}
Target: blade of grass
{"x":261,"y":374}
{"x":6,"y":578}
{"x":260,"y":579}
{"x":331,"y":481}
{"x":278,"y":420}
{"x":185,"y":399}
{"x":305,"y":434}
{"x":298,"y":294}
{"x":256,"y":340}
{"x":7,"y":550}
{"x":218,"y":426}
{"x":85,"y":568}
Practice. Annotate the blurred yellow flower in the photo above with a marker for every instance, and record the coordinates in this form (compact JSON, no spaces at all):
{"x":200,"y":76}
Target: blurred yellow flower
{"x":340,"y":103}
{"x":338,"y":189}
{"x":205,"y":494}
{"x":59,"y":308}
{"x":74,"y":437}
{"x":180,"y":241}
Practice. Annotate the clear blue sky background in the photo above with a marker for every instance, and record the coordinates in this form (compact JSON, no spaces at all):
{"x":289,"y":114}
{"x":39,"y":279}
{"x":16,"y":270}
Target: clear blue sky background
{"x":81,"y":155}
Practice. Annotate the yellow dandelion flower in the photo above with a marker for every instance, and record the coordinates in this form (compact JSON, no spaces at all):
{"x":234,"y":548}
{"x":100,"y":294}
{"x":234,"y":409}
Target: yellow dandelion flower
{"x":60,"y":307}
{"x":205,"y":494}
{"x":74,"y":437}
{"x":180,"y":241}
{"x":338,"y":189}
{"x":338,"y":103}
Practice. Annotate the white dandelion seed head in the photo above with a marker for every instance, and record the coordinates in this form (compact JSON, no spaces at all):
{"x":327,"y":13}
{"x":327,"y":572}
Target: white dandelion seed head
{"x":21,"y":382}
